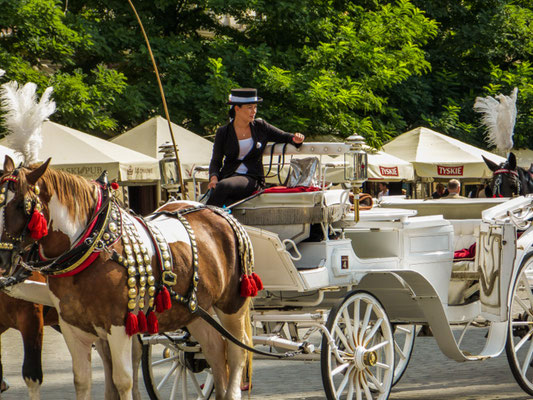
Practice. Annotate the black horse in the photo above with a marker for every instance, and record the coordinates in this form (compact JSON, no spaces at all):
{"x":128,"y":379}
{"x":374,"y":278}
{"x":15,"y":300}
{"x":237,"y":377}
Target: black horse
{"x":508,"y":179}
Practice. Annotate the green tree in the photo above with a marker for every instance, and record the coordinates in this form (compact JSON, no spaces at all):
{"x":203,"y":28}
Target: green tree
{"x":38,"y":44}
{"x":483,"y":47}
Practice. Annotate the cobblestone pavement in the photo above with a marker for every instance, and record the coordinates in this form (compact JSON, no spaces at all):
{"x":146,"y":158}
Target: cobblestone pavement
{"x":430,"y":375}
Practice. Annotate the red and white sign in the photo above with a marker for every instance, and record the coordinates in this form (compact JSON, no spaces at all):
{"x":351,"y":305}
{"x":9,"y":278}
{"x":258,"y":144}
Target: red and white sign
{"x":388,"y":171}
{"x":450,"y":171}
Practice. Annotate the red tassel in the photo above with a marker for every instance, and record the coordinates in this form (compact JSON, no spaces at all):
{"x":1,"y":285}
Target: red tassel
{"x":163,"y":301}
{"x":153,"y":323}
{"x":37,"y":225}
{"x":246,"y":286}
{"x":132,"y":325}
{"x":167,"y":301}
{"x":253,"y":285}
{"x":141,"y":318}
{"x":159,"y":303}
{"x":258,"y":281}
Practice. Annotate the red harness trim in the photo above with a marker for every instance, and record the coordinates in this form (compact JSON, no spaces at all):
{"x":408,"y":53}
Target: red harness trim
{"x":90,"y":259}
{"x":505,"y":171}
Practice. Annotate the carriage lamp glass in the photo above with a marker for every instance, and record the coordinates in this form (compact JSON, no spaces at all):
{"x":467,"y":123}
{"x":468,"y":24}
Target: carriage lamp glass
{"x":355,"y":161}
{"x":168,"y":167}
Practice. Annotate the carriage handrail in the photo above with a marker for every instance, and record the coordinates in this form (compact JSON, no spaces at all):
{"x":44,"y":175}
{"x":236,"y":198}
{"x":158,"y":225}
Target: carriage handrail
{"x":311,"y":148}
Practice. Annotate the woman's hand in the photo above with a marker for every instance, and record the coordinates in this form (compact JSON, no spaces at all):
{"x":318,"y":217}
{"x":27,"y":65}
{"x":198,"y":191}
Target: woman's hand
{"x":298,"y":138}
{"x":212,"y":182}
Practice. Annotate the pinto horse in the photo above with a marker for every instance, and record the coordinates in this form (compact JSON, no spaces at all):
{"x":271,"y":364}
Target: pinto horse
{"x":108,"y":279}
{"x":508,"y":179}
{"x":29,"y":319}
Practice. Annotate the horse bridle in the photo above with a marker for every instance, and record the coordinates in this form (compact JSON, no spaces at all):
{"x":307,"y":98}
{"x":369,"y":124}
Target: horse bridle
{"x":498,"y":180}
{"x":14,"y":243}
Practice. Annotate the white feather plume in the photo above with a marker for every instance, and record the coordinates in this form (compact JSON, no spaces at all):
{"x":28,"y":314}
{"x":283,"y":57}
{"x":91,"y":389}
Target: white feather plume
{"x":24,"y":117}
{"x":499,"y":117}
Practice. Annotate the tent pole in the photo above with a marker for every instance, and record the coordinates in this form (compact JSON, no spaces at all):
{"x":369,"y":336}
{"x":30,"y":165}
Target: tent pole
{"x":182,"y":186}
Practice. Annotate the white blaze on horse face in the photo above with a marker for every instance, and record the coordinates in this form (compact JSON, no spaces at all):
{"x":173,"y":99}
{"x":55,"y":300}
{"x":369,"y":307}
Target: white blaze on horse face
{"x":9,"y":197}
{"x":61,"y":220}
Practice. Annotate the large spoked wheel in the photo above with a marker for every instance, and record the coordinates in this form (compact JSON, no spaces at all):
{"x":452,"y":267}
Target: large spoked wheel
{"x":357,"y":360}
{"x":404,"y":342}
{"x":171,"y":373}
{"x":519,"y":345}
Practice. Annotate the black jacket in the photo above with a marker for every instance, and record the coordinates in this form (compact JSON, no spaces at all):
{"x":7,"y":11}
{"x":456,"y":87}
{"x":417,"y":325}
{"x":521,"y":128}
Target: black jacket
{"x":224,"y":161}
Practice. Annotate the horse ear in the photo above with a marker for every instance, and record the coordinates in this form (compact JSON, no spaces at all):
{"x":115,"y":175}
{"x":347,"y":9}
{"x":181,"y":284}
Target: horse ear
{"x":9,"y":164}
{"x":491,"y":164}
{"x":512,"y":161}
{"x":34,"y":175}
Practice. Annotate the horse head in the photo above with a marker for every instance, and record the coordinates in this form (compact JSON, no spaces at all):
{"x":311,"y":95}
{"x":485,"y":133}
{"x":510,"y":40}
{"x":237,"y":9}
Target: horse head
{"x":507,"y":179}
{"x":21,"y":212}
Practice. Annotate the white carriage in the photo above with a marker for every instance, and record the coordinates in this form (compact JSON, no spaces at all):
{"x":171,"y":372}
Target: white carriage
{"x":365,"y":285}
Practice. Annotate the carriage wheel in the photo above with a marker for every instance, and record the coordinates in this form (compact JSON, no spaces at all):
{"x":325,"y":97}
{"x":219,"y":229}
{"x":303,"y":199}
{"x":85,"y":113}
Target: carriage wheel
{"x":171,"y":373}
{"x":404,"y":342}
{"x":519,"y":345}
{"x":358,"y":361}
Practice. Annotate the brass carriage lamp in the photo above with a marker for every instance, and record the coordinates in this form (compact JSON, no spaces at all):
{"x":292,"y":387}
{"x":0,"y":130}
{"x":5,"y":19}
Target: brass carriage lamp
{"x":169,"y":168}
{"x":355,"y":168}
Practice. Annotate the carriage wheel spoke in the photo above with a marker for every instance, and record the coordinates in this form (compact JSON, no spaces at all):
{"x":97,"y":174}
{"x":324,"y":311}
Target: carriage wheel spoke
{"x":349,"y":328}
{"x":340,"y":335}
{"x":175,"y":384}
{"x":399,"y":350}
{"x":164,"y":361}
{"x":344,"y":382}
{"x":383,"y":366}
{"x":526,"y":337}
{"x":379,"y":346}
{"x":527,"y":359}
{"x":340,"y":368}
{"x":364,"y":325}
{"x":373,"y":331}
{"x":375,"y":381}
{"x":195,"y":382}
{"x":366,"y":388}
{"x":524,"y":306}
{"x":358,"y":394}
{"x":184,"y":395}
{"x":167,"y":375}
{"x":356,"y":311}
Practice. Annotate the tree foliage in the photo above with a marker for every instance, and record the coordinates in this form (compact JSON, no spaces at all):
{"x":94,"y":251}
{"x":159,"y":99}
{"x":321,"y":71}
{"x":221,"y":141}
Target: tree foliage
{"x":335,"y":67}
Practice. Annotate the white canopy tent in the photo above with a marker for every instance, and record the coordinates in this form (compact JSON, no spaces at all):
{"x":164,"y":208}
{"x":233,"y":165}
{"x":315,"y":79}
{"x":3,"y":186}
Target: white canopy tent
{"x":193,"y":149}
{"x":88,"y":156}
{"x":435,"y":155}
{"x":6,"y":151}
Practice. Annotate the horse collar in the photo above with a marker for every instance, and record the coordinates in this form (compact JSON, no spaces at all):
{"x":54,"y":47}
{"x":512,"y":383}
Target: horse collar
{"x":103,"y":230}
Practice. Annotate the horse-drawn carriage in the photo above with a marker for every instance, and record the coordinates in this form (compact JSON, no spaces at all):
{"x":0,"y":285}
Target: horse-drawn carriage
{"x":365,"y":286}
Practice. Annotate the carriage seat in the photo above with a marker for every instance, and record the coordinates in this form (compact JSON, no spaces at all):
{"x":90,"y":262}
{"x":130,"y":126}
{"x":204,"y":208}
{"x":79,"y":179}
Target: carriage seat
{"x":464,"y":276}
{"x":291,"y":214}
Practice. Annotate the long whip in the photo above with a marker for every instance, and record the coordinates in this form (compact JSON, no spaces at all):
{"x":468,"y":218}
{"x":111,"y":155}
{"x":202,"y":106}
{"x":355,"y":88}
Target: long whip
{"x":163,"y":98}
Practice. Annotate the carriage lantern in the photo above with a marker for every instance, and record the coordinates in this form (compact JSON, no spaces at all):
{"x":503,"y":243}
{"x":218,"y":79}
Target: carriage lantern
{"x":169,"y":168}
{"x":355,"y":168}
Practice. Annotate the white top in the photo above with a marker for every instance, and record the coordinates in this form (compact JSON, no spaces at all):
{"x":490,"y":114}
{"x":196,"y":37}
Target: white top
{"x":245,"y":145}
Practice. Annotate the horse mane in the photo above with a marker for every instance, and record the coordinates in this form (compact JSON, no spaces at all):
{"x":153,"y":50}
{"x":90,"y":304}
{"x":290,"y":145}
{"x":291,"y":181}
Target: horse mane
{"x":75,"y":192}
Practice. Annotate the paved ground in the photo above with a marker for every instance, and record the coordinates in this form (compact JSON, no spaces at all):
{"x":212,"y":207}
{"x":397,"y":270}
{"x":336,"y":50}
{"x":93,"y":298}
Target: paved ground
{"x":430,"y":375}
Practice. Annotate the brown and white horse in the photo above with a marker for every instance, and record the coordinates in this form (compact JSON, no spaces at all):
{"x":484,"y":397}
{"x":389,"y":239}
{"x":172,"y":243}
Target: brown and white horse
{"x":28,"y":318}
{"x":93,"y":303}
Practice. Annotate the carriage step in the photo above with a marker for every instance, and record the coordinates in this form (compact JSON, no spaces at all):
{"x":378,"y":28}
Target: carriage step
{"x":465,"y":275}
